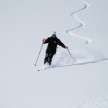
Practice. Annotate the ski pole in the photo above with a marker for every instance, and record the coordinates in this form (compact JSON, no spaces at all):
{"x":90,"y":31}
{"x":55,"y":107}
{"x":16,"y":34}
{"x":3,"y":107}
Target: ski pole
{"x":69,"y":52}
{"x":38,"y":55}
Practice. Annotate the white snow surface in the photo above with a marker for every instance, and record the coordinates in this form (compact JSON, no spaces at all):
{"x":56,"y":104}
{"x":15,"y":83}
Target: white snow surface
{"x":77,"y":81}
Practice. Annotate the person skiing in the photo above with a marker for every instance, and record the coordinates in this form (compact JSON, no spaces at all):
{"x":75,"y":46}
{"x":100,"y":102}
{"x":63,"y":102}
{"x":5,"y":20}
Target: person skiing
{"x":52,"y":41}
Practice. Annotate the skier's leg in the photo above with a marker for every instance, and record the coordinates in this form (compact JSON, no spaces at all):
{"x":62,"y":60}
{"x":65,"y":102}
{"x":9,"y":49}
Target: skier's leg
{"x":50,"y":58}
{"x":46,"y":58}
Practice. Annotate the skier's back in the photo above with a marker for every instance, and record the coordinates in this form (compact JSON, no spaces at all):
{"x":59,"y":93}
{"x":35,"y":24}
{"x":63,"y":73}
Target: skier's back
{"x":52,"y":41}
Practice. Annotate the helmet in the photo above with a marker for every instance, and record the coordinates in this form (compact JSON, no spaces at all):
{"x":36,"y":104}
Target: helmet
{"x":54,"y":35}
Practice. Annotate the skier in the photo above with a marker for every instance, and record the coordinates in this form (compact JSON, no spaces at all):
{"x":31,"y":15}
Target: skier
{"x":52,"y":41}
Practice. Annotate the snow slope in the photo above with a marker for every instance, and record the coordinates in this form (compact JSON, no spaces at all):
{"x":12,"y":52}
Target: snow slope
{"x":23,"y":24}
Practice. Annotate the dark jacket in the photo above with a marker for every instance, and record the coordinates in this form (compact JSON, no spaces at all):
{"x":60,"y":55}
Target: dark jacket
{"x":52,"y":44}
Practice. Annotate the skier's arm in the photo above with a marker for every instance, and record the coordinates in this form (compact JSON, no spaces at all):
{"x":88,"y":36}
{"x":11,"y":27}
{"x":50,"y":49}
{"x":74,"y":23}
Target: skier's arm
{"x":61,"y":44}
{"x":44,"y":41}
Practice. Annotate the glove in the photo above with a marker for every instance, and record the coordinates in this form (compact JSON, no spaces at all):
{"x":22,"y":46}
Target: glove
{"x":66,"y":47}
{"x":43,"y":41}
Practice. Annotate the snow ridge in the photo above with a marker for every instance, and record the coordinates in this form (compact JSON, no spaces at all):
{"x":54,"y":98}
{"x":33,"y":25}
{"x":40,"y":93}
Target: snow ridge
{"x":81,"y":23}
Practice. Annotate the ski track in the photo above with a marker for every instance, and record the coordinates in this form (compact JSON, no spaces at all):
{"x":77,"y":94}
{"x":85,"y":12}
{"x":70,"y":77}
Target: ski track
{"x":74,"y":64}
{"x":81,"y":23}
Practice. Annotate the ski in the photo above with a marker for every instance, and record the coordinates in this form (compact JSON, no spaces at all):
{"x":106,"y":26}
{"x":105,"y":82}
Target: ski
{"x":45,"y":68}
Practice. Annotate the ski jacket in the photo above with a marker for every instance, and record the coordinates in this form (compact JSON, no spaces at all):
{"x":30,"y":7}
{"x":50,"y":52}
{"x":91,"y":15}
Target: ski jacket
{"x":52,"y":44}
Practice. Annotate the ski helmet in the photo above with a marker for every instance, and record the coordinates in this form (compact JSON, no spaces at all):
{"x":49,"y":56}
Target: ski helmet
{"x":54,"y":35}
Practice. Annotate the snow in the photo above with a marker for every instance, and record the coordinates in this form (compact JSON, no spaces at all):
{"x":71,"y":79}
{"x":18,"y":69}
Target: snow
{"x":23,"y":25}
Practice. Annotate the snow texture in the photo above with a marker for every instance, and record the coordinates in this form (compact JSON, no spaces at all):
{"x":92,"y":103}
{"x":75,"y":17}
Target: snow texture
{"x":97,"y":102}
{"x":79,"y":80}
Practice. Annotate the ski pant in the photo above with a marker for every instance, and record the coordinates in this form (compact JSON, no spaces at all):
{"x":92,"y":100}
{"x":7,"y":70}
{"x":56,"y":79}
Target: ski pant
{"x":48,"y":58}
